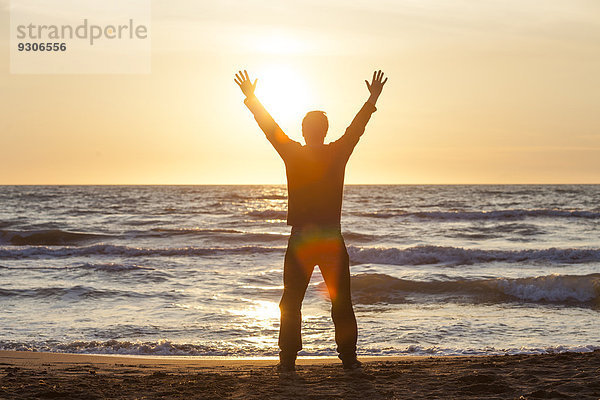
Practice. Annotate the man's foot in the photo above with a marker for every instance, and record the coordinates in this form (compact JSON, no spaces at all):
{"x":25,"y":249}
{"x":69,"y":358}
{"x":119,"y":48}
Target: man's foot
{"x":286,"y":366}
{"x":352,"y":364}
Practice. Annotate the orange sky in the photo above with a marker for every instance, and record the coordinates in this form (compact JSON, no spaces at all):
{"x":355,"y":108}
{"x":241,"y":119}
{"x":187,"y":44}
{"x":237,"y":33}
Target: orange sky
{"x":478,"y":92}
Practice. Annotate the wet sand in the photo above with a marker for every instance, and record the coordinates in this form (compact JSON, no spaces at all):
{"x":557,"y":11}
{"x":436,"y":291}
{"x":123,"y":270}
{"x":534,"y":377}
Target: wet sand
{"x":26,"y":375}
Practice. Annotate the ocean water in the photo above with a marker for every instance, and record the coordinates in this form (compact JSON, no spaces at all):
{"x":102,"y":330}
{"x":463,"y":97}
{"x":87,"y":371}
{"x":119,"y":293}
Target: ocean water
{"x":197,"y":270}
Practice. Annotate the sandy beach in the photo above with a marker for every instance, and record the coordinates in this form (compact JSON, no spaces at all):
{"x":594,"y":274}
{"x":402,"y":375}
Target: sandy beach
{"x":25,"y":375}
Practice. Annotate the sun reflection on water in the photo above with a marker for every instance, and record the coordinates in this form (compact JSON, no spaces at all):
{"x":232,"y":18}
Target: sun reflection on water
{"x":260,"y":312}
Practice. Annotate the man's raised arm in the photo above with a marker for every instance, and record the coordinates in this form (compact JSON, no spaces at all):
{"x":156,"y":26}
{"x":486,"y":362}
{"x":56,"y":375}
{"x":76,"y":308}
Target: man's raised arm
{"x":357,"y":127}
{"x":274,"y":133}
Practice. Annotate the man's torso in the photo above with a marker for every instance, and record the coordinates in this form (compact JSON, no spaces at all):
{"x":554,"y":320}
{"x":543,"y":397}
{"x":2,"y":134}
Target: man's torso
{"x":315,"y":176}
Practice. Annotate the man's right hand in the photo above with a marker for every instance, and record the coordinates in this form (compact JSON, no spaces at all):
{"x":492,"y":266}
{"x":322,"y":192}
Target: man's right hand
{"x":243,"y":81}
{"x":376,"y":86}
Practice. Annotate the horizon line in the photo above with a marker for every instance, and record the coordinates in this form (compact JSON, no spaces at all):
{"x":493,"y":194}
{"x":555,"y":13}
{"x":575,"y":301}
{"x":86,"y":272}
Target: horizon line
{"x":285,"y":184}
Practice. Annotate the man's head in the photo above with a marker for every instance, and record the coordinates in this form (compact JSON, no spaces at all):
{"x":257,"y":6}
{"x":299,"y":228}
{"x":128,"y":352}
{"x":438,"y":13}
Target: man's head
{"x":314,"y":127}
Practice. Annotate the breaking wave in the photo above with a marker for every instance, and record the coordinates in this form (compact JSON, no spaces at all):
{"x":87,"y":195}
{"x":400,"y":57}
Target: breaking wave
{"x":51,"y":237}
{"x":418,"y":255}
{"x":563,"y":289}
{"x":268,"y":214}
{"x":421,"y":255}
{"x":159,"y":348}
{"x":127,"y":251}
{"x":105,"y":267}
{"x":190,"y":231}
{"x":515,"y":214}
{"x":70,"y":293}
{"x":169,"y":348}
{"x":231,"y":235}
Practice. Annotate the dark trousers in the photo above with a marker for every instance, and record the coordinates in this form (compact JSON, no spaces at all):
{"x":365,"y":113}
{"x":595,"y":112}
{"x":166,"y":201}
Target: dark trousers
{"x":308,"y":247}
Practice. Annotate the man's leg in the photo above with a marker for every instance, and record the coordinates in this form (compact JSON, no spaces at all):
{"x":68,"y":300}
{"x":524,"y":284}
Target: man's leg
{"x":336,"y":273}
{"x":296,"y":276}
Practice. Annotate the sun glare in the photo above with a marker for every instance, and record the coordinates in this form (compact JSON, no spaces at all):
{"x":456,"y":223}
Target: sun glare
{"x":286,"y":95}
{"x":259,"y":312}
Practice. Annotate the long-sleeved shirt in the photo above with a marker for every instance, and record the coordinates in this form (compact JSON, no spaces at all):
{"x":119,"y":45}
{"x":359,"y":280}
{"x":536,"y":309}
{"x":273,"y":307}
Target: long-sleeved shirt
{"x":315,"y":174}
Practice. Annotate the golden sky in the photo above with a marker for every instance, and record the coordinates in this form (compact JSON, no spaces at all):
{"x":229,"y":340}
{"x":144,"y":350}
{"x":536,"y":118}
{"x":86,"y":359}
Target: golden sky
{"x":503,"y":91}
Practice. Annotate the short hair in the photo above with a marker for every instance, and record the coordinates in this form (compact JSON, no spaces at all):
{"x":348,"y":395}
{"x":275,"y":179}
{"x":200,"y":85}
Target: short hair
{"x":315,"y":124}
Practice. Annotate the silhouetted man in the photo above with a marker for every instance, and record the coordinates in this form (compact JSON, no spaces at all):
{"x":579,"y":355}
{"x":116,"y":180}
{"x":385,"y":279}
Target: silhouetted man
{"x":315,"y":177}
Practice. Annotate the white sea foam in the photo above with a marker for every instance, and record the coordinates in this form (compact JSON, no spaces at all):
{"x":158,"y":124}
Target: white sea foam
{"x":169,"y":348}
{"x":554,"y":288}
{"x":156,"y":348}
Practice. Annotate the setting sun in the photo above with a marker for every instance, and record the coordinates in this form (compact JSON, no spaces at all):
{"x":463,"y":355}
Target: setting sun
{"x":286,"y":93}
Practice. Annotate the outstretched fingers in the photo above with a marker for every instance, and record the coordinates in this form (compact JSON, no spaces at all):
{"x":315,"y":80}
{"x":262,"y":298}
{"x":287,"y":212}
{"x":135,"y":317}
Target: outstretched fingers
{"x":242,"y":78}
{"x":239,"y":77}
{"x":378,"y":77}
